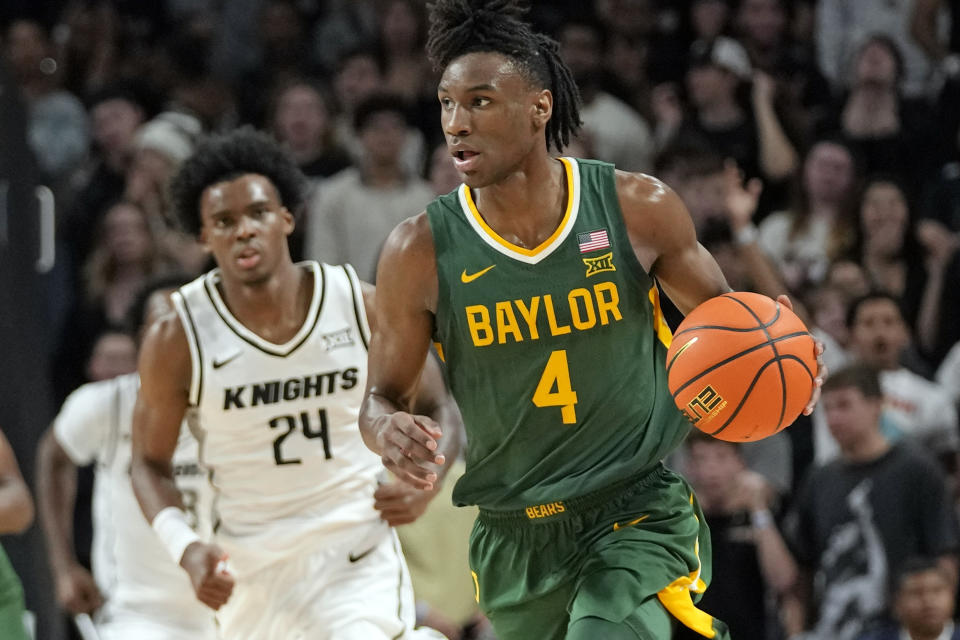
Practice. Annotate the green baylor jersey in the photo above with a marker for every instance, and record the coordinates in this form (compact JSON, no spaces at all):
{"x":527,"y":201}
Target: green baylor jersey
{"x":555,"y":355}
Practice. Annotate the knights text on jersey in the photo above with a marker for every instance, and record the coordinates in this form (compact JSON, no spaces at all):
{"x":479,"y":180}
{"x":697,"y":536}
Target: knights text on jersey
{"x":277,"y":423}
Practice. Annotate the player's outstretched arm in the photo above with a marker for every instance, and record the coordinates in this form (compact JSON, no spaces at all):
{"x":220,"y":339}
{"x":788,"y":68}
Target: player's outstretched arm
{"x":408,"y":442}
{"x":665,"y":242}
{"x":165,"y":371}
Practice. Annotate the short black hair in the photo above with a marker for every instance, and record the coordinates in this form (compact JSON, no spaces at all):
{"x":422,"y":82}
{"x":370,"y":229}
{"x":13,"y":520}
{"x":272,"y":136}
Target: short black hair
{"x":585,"y":20}
{"x":700,"y":437}
{"x":224,"y":157}
{"x":459,"y":27}
{"x":689,"y":156}
{"x":136,"y":314}
{"x":914,"y":565}
{"x":858,"y":375}
{"x":129,"y":91}
{"x":359,"y":51}
{"x":872,"y":296}
{"x":378,"y":103}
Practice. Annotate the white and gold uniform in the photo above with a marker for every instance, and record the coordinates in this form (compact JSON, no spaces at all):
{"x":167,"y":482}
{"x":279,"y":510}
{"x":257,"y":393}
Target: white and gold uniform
{"x":146,"y":595}
{"x":292,"y":480}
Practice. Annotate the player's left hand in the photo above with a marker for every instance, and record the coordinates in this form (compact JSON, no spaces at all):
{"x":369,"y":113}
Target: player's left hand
{"x":399,"y":503}
{"x":206,"y":565}
{"x":408,"y":448}
{"x":821,"y":367}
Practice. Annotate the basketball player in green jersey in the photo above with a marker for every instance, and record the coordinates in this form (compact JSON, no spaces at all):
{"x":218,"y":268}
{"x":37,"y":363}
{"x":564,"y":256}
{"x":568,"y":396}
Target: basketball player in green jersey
{"x":16,"y":515}
{"x":536,"y":280}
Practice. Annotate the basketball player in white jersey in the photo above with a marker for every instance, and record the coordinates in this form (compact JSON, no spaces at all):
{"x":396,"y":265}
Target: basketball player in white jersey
{"x":136,"y":590}
{"x":272,"y":358}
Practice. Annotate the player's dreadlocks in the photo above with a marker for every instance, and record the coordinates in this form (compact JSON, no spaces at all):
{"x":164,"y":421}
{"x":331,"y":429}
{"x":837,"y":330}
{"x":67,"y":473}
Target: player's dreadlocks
{"x":458,"y":27}
{"x":228,"y":156}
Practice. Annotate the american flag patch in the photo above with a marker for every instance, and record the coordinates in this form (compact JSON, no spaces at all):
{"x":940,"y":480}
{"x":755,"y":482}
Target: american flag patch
{"x":593,"y":241}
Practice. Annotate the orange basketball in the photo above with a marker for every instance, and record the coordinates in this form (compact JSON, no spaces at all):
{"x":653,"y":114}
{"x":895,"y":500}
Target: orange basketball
{"x":741,"y":367}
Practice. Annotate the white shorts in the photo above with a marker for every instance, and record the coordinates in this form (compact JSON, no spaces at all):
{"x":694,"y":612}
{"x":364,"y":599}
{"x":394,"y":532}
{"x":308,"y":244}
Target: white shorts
{"x":136,"y":628}
{"x":333,"y":593}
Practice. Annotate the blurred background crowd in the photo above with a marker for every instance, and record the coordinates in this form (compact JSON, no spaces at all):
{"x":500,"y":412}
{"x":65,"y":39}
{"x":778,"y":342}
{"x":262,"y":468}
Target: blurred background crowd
{"x":816,"y":144}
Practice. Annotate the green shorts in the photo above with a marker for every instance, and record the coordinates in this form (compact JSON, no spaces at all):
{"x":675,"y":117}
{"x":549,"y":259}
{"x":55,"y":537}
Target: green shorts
{"x":11,"y":602}
{"x":611,"y":555}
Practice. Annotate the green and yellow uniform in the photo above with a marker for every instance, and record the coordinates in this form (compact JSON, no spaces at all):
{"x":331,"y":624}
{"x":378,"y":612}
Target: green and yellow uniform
{"x":556,"y":358}
{"x":11,"y":602}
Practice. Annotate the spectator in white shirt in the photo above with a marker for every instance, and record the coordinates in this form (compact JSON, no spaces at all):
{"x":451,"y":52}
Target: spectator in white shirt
{"x":355,"y":210}
{"x":616,"y":131}
{"x":914,"y":407}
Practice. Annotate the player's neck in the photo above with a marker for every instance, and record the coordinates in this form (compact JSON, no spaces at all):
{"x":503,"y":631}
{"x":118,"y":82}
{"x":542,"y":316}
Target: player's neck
{"x":274,"y":308}
{"x":527,"y":205}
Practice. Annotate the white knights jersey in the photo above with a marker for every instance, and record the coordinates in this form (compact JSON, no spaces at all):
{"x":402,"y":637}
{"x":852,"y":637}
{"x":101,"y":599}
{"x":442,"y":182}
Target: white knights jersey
{"x":277,"y":423}
{"x":130,"y":565}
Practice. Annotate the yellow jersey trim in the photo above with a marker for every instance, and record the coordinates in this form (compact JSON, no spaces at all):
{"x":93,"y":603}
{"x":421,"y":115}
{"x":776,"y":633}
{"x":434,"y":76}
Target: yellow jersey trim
{"x":660,"y":326}
{"x":530,"y":256}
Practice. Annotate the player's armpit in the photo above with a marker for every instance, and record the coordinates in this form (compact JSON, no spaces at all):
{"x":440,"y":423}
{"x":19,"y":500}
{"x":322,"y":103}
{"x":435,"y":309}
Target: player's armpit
{"x":665,"y":241}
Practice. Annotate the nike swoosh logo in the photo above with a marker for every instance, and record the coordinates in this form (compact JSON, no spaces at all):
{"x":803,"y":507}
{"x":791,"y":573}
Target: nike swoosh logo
{"x":219,"y":363}
{"x":616,"y":525}
{"x":470,"y":277}
{"x":360,"y":556}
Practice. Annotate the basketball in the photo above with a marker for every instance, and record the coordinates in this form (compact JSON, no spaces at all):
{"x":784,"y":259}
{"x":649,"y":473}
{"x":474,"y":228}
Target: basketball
{"x":741,"y":367}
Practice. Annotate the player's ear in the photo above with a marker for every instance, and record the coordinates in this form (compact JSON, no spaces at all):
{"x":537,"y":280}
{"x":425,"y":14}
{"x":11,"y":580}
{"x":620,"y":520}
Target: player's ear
{"x":202,"y":238}
{"x":542,"y":108}
{"x":289,"y":221}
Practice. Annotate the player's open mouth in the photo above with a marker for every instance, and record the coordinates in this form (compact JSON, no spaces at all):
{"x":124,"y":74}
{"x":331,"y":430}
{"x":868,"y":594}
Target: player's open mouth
{"x":248,"y":258}
{"x":465,"y":160}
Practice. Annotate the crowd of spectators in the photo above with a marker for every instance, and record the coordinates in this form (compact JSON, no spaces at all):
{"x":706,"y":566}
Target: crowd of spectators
{"x":816,"y":144}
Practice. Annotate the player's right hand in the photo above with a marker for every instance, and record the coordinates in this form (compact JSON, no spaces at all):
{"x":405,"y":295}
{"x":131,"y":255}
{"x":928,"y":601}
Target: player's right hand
{"x":77,"y":591}
{"x":408,"y":445}
{"x":212,"y":584}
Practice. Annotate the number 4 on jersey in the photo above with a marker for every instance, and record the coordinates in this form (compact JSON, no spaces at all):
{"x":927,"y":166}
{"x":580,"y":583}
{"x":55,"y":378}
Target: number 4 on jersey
{"x":554,"y":389}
